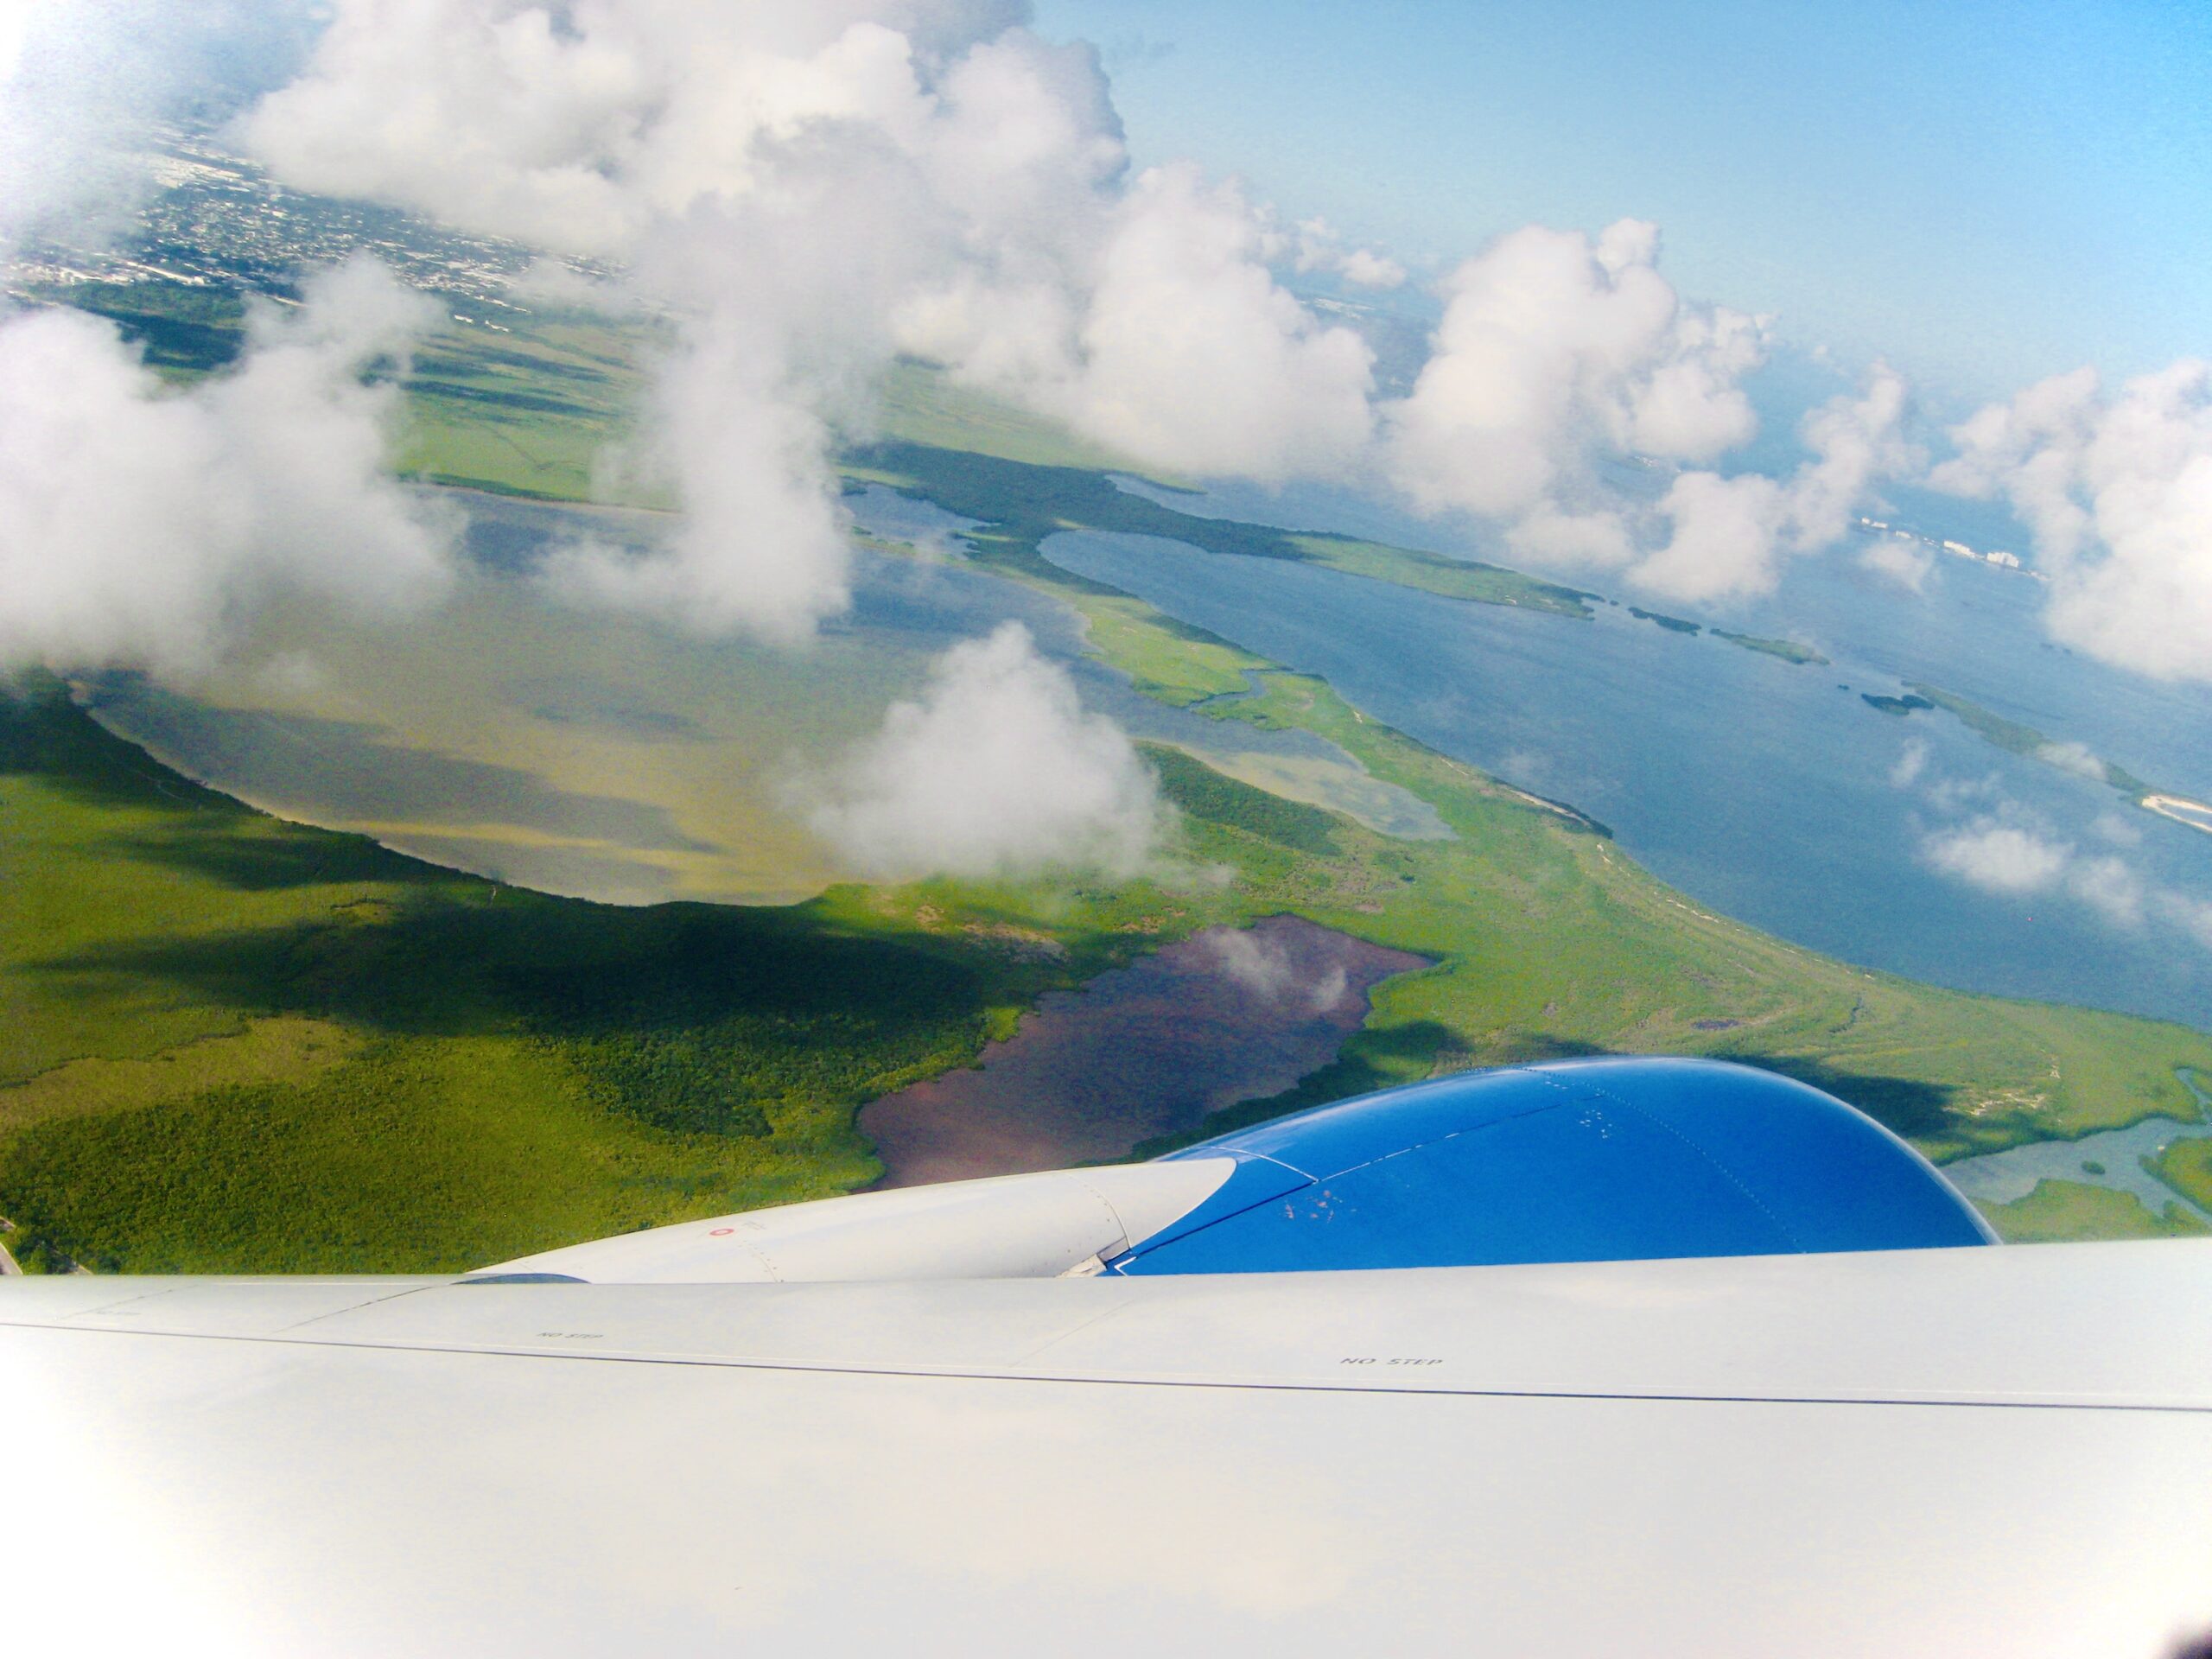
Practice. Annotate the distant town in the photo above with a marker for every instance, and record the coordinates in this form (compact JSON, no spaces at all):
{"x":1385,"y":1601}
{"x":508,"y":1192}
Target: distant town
{"x":2002,"y":559}
{"x":214,"y":220}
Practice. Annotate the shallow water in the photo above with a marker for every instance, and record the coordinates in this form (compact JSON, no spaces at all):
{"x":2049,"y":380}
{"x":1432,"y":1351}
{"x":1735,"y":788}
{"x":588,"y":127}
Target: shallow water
{"x":2005,"y":1177}
{"x":1141,"y":1052}
{"x":614,"y":758}
{"x":1769,"y":790}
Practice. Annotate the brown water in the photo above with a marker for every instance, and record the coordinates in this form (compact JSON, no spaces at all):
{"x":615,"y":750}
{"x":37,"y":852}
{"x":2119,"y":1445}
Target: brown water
{"x":1229,"y":1014}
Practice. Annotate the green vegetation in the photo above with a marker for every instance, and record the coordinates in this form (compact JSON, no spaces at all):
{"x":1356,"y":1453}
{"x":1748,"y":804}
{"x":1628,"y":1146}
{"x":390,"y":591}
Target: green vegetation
{"x":227,"y":1042}
{"x":2060,"y":1210}
{"x":2186,"y":1166}
{"x":2016,"y":739}
{"x":1205,"y":794}
{"x":231,"y":1043}
{"x":1899,"y":707}
{"x":1432,"y":573}
{"x":1672,"y":624}
{"x":921,"y":406}
{"x":529,"y":408}
{"x":183,"y":331}
{"x":534,"y":411}
{"x":1789,"y":650}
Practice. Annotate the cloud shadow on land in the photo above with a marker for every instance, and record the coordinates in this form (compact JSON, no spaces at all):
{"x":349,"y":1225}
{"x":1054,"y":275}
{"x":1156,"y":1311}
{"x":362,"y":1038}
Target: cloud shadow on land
{"x":693,"y":1018}
{"x":345,"y":770}
{"x":267,"y":863}
{"x":42,"y":736}
{"x":1385,"y":1058}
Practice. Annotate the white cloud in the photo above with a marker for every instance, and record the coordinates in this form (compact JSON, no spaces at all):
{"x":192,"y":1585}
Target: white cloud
{"x":996,"y":770}
{"x":1364,"y":268}
{"x":2110,"y":826}
{"x":762,"y":545}
{"x":1905,"y":562}
{"x":1729,"y":535}
{"x":1556,"y":348}
{"x":1318,"y":247}
{"x":2111,"y":887}
{"x":1265,"y":967}
{"x":1998,"y":857}
{"x":1552,"y":345}
{"x":2118,"y":491}
{"x":1190,"y":355}
{"x":1911,"y":764}
{"x":1261,"y":966}
{"x":808,"y":188}
{"x":2005,"y":849}
{"x":2193,"y":916}
{"x":2077,"y":757}
{"x":1723,"y":540}
{"x":142,"y":527}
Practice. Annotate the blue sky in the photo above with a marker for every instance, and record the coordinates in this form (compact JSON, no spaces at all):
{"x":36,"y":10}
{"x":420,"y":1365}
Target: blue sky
{"x":1987,"y":193}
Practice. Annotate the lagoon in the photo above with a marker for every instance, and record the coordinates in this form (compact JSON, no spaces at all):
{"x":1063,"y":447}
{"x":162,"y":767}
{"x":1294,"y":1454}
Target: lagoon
{"x":1766,"y":789}
{"x":1139,"y":1052}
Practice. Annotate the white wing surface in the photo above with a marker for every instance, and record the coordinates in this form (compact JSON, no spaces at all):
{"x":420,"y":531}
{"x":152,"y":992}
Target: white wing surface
{"x":1963,"y":1452}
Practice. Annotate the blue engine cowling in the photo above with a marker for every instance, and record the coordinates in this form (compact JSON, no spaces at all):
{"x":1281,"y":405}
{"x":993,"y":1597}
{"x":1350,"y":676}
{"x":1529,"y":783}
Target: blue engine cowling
{"x":1576,"y":1160}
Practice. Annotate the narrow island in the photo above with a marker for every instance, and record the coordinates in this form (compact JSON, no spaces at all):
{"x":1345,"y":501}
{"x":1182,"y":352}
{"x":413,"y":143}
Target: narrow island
{"x":1789,"y":651}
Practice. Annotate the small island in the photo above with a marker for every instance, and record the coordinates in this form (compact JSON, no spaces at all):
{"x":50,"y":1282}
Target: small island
{"x":1789,"y":650}
{"x":1672,"y":624}
{"x":1898,"y":706}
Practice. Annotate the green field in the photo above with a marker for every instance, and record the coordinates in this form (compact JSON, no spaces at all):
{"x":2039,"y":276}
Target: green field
{"x":2187,"y":1167}
{"x":228,"y":1043}
{"x":527,"y":408}
{"x":231,"y":1043}
{"x":2058,"y":1211}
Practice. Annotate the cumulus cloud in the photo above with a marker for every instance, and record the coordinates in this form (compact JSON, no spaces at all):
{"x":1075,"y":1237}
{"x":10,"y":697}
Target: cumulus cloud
{"x":762,"y":545}
{"x":810,"y":189}
{"x":1998,"y":857}
{"x":2117,"y":491}
{"x":1899,"y":560}
{"x":1319,"y":248}
{"x":1728,"y":535}
{"x":2193,"y":915}
{"x":1551,"y":344}
{"x":995,"y":771}
{"x":2110,"y":826}
{"x":142,"y":527}
{"x":1557,"y":348}
{"x":2008,"y":851}
{"x":1996,"y":844}
{"x":1183,"y":305}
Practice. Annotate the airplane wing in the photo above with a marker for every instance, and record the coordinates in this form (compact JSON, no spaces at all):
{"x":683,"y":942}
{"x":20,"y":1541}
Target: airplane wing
{"x":969,"y":1418}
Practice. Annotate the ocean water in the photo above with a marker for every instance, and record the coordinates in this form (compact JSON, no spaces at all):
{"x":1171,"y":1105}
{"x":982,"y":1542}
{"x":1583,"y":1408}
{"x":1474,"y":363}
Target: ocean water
{"x":1771,"y":791}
